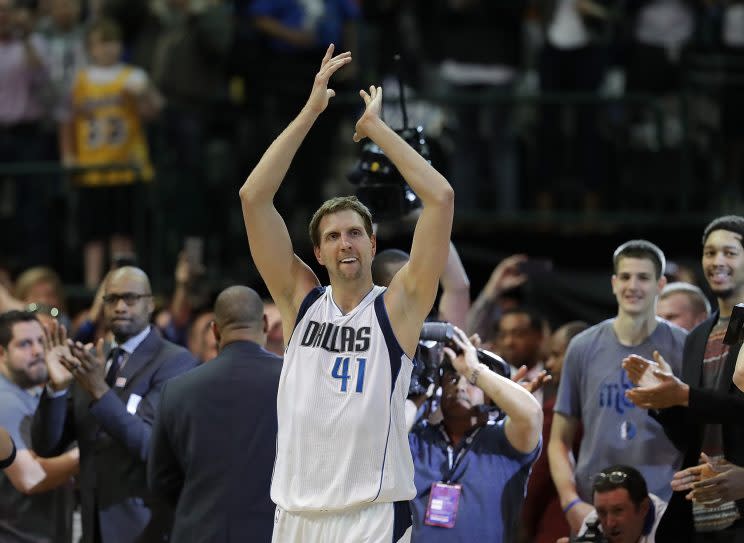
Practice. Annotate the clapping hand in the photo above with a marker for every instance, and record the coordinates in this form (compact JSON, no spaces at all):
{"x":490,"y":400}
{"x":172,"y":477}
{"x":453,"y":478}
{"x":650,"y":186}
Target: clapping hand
{"x":56,"y":348}
{"x":86,"y":364}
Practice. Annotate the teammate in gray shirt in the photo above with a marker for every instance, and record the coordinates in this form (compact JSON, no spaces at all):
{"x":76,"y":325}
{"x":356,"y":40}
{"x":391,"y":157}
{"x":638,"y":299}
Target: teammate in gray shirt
{"x":593,"y":384}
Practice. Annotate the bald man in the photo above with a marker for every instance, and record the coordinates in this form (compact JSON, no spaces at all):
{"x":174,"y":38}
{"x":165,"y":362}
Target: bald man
{"x":213,"y":445}
{"x":106,"y":400}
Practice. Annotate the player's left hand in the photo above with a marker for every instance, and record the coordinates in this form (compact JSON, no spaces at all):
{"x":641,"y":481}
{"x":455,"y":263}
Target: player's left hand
{"x":372,"y":111}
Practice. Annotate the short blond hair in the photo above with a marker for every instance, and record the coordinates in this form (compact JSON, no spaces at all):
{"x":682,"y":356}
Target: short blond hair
{"x":335,"y":205}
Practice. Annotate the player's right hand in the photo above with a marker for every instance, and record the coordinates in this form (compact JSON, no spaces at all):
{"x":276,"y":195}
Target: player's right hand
{"x":321,"y":94}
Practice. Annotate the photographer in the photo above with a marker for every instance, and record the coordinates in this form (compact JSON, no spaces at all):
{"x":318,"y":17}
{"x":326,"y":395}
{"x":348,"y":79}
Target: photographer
{"x":467,"y":464}
{"x":624,"y":509}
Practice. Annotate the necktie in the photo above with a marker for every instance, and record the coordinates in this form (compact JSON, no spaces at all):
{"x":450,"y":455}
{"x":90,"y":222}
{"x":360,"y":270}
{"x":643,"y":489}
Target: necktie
{"x":116,"y":356}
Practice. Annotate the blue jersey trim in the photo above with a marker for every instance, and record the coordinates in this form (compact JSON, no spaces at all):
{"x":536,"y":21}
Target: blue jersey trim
{"x":395,"y":351}
{"x":309,"y":300}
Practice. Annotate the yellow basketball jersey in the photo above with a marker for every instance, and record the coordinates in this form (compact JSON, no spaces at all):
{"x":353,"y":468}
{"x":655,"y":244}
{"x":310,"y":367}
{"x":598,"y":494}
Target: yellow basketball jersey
{"x":108,"y":129}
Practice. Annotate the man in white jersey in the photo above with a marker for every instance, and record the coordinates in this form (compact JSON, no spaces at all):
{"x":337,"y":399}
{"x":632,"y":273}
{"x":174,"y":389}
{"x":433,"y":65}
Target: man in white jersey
{"x":343,"y":470}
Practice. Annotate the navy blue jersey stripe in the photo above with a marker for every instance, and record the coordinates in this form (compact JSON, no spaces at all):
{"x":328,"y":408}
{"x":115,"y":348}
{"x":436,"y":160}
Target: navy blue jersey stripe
{"x":309,"y":300}
{"x":402,"y":519}
{"x":395,"y":351}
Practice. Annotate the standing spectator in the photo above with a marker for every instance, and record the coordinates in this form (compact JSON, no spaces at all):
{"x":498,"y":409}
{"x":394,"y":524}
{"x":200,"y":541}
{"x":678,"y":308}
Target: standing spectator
{"x":518,"y":337}
{"x":542,"y":518}
{"x":65,"y":35}
{"x":108,"y":103}
{"x":24,"y":80}
{"x":481,"y":56}
{"x":190,"y":69}
{"x":702,"y":412}
{"x":592,"y":386}
{"x":219,"y":481}
{"x":36,"y":495}
{"x":107,"y":403}
{"x":479,"y":465}
{"x":683,"y":304}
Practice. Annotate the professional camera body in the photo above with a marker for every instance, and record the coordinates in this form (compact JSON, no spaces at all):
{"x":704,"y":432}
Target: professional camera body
{"x":379,"y":184}
{"x":593,"y":534}
{"x":430,"y":361}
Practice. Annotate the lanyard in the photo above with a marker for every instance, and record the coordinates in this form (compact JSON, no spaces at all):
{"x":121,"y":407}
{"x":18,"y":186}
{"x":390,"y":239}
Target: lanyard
{"x":454,"y":461}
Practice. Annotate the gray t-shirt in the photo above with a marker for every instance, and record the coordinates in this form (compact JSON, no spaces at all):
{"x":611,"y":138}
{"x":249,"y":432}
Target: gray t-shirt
{"x":40,"y":518}
{"x":592,"y":389}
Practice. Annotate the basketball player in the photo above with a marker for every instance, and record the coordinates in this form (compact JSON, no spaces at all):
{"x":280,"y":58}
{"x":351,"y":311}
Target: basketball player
{"x":343,"y":469}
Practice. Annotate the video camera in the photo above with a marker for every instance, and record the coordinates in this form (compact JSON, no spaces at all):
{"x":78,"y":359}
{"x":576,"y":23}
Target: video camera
{"x":380,"y":186}
{"x":430,"y":362}
{"x":593,"y":534}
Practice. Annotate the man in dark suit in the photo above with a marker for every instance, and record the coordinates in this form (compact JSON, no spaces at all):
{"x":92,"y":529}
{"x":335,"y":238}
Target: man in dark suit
{"x":108,"y":404}
{"x":703,"y":412}
{"x":213,"y":443}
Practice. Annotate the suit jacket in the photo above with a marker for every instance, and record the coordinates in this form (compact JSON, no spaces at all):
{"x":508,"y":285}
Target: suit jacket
{"x":684,"y":426}
{"x":114,"y":439}
{"x":213,"y":447}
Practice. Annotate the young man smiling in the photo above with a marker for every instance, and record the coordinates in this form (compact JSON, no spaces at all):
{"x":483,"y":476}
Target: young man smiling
{"x":343,"y":469}
{"x":593,"y":382}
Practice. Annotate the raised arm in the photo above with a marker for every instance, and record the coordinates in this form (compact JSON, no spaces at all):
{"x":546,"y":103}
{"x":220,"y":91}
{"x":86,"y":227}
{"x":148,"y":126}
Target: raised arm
{"x":286,"y":276}
{"x":524,"y":417}
{"x":413,"y":289}
{"x":454,"y":302}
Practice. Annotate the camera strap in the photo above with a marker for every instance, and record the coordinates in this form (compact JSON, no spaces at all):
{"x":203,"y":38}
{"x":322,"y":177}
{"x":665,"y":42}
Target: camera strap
{"x":456,"y":454}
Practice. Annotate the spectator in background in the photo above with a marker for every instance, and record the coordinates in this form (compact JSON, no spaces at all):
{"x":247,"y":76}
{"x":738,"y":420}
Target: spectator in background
{"x":454,"y":299}
{"x":275,"y":334}
{"x":624,"y":509}
{"x":480,"y":49}
{"x":702,"y":411}
{"x":592,"y":386}
{"x":107,"y":402}
{"x":108,"y":104}
{"x":190,"y":69}
{"x":574,"y":57}
{"x":218,"y":481}
{"x":24,"y":81}
{"x":492,"y":300}
{"x":542,"y":518}
{"x":295,"y":33}
{"x":65,"y":36}
{"x":36,"y":494}
{"x":472,"y":461}
{"x":683,"y":304}
{"x":202,"y":342}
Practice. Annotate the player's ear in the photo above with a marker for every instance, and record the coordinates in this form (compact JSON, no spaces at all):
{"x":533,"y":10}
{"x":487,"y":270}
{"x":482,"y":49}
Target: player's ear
{"x":318,"y":255}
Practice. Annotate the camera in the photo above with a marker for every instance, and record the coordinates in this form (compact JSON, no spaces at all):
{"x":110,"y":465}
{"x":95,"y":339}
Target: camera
{"x":430,"y":361}
{"x":593,"y":534}
{"x":735,"y":330}
{"x":379,"y":184}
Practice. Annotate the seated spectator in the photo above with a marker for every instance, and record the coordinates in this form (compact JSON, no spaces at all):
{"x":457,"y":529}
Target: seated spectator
{"x":683,"y":304}
{"x":469,"y":464}
{"x":623,"y":508}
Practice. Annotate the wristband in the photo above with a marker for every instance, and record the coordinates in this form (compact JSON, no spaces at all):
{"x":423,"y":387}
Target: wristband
{"x":570,"y":505}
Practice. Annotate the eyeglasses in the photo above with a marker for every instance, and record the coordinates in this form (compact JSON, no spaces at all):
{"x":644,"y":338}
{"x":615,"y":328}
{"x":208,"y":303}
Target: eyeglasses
{"x":43,"y":308}
{"x":614,"y":477}
{"x":130,"y":298}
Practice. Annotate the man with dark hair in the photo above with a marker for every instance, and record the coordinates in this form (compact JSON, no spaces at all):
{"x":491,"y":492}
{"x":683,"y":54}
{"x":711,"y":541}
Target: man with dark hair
{"x":386,"y":264}
{"x":218,"y":481}
{"x":36,"y":499}
{"x":702,"y":411}
{"x":480,"y":464}
{"x":107,"y":402}
{"x":343,"y":469}
{"x":592,"y":386}
{"x":623,"y":507}
{"x":683,"y":304}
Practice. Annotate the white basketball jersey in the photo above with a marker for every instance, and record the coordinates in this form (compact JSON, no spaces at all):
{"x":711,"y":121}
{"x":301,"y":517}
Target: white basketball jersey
{"x":342,"y":438}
